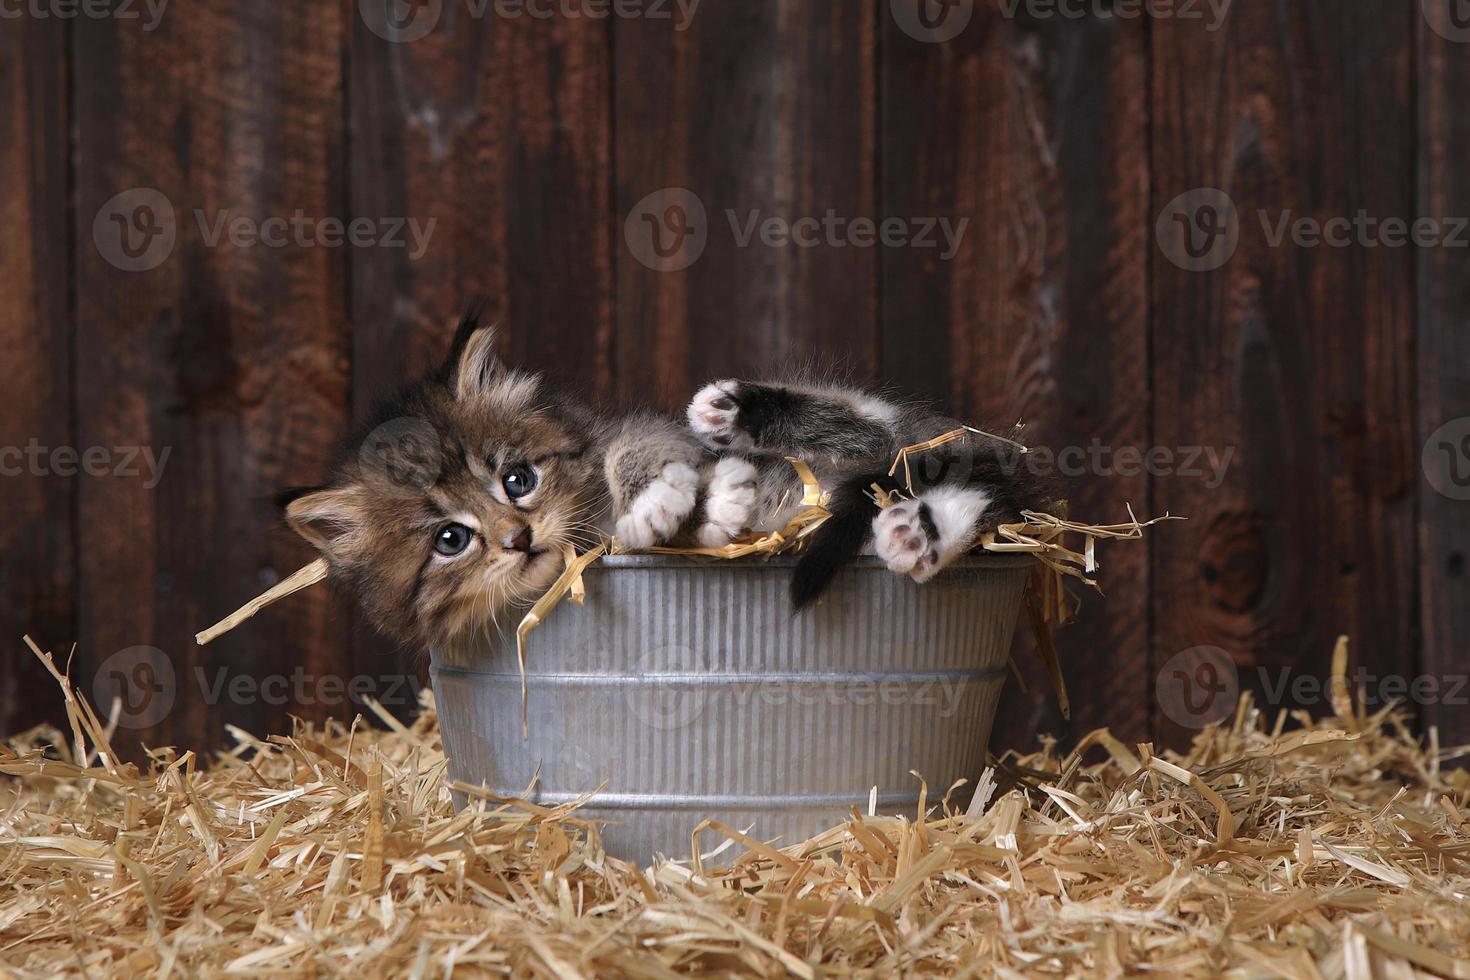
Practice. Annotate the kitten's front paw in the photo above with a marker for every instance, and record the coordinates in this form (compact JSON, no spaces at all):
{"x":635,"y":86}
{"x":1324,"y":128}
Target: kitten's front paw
{"x":714,"y":415}
{"x":904,"y":536}
{"x":657,"y":513}
{"x":729,"y":504}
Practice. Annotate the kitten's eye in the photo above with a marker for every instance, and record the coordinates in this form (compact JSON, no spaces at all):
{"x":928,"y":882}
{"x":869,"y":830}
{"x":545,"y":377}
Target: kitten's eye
{"x":520,"y":481}
{"x":452,"y":539}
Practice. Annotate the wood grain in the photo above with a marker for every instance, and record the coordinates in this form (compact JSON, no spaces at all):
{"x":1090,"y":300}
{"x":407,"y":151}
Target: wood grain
{"x":232,"y":357}
{"x":762,"y":110}
{"x":521,"y":145}
{"x":1443,"y":387}
{"x":1297,"y":358}
{"x":37,"y":545}
{"x":1035,"y":131}
{"x":498,"y":130}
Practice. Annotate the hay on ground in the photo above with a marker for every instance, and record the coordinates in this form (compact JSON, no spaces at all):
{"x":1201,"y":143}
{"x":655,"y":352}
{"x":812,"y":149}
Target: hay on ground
{"x":1340,"y":849}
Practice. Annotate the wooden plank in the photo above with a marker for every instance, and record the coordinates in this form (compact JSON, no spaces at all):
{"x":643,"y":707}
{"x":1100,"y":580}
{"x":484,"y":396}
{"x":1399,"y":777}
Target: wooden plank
{"x":1444,"y":378}
{"x":1035,"y":130}
{"x":37,"y":545}
{"x":1297,"y":358}
{"x":498,"y":130}
{"x":761,"y":110}
{"x":231,"y":357}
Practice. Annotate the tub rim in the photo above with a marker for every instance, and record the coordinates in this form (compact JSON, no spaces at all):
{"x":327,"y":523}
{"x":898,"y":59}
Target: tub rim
{"x":613,"y":562}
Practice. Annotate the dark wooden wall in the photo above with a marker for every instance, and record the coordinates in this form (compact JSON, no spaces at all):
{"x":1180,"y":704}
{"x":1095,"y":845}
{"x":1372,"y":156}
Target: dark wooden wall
{"x":528,"y":141}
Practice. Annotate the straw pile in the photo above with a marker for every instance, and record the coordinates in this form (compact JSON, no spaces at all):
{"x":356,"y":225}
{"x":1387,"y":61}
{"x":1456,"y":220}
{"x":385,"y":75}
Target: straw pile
{"x":1339,"y":849}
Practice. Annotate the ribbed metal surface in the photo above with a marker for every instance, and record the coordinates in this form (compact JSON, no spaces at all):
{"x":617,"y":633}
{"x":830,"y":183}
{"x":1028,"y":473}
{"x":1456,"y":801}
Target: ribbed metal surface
{"x":692,"y":691}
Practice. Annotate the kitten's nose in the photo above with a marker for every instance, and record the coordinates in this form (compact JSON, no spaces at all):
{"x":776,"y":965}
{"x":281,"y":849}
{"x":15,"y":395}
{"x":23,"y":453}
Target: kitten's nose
{"x":521,"y":541}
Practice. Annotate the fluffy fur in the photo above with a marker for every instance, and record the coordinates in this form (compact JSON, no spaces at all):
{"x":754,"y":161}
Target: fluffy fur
{"x":458,"y":497}
{"x":448,"y":463}
{"x":850,"y":439}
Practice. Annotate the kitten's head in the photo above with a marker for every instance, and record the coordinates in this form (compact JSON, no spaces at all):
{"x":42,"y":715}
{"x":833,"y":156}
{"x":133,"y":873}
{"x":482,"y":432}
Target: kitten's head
{"x":459,"y":498}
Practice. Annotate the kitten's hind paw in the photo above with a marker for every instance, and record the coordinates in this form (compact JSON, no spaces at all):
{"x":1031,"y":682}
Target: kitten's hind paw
{"x":659,"y":511}
{"x":714,"y":415}
{"x":729,"y":502}
{"x":905,"y":537}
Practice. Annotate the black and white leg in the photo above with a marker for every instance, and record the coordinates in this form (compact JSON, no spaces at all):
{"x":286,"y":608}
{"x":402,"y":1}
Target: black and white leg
{"x":714,"y":415}
{"x":920,"y":537}
{"x":792,"y":420}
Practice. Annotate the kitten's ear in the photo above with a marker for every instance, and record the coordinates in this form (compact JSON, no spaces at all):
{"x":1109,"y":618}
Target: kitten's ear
{"x":325,"y":516}
{"x":473,"y":363}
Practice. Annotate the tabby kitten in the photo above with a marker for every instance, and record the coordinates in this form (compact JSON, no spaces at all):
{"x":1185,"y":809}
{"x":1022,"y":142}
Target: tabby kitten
{"x":460,"y":498}
{"x":951,"y":494}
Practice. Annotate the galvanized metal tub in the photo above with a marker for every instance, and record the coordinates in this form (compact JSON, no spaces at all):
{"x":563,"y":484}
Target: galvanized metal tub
{"x":692,"y":691}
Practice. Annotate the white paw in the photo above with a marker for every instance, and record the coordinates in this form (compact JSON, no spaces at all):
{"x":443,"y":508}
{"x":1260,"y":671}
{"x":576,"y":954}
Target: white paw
{"x":729,"y":505}
{"x":657,"y":513}
{"x":899,"y":538}
{"x":714,"y":416}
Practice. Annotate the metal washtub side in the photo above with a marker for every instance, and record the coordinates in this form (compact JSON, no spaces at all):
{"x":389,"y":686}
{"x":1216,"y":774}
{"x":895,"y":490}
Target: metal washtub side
{"x":691,"y":691}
